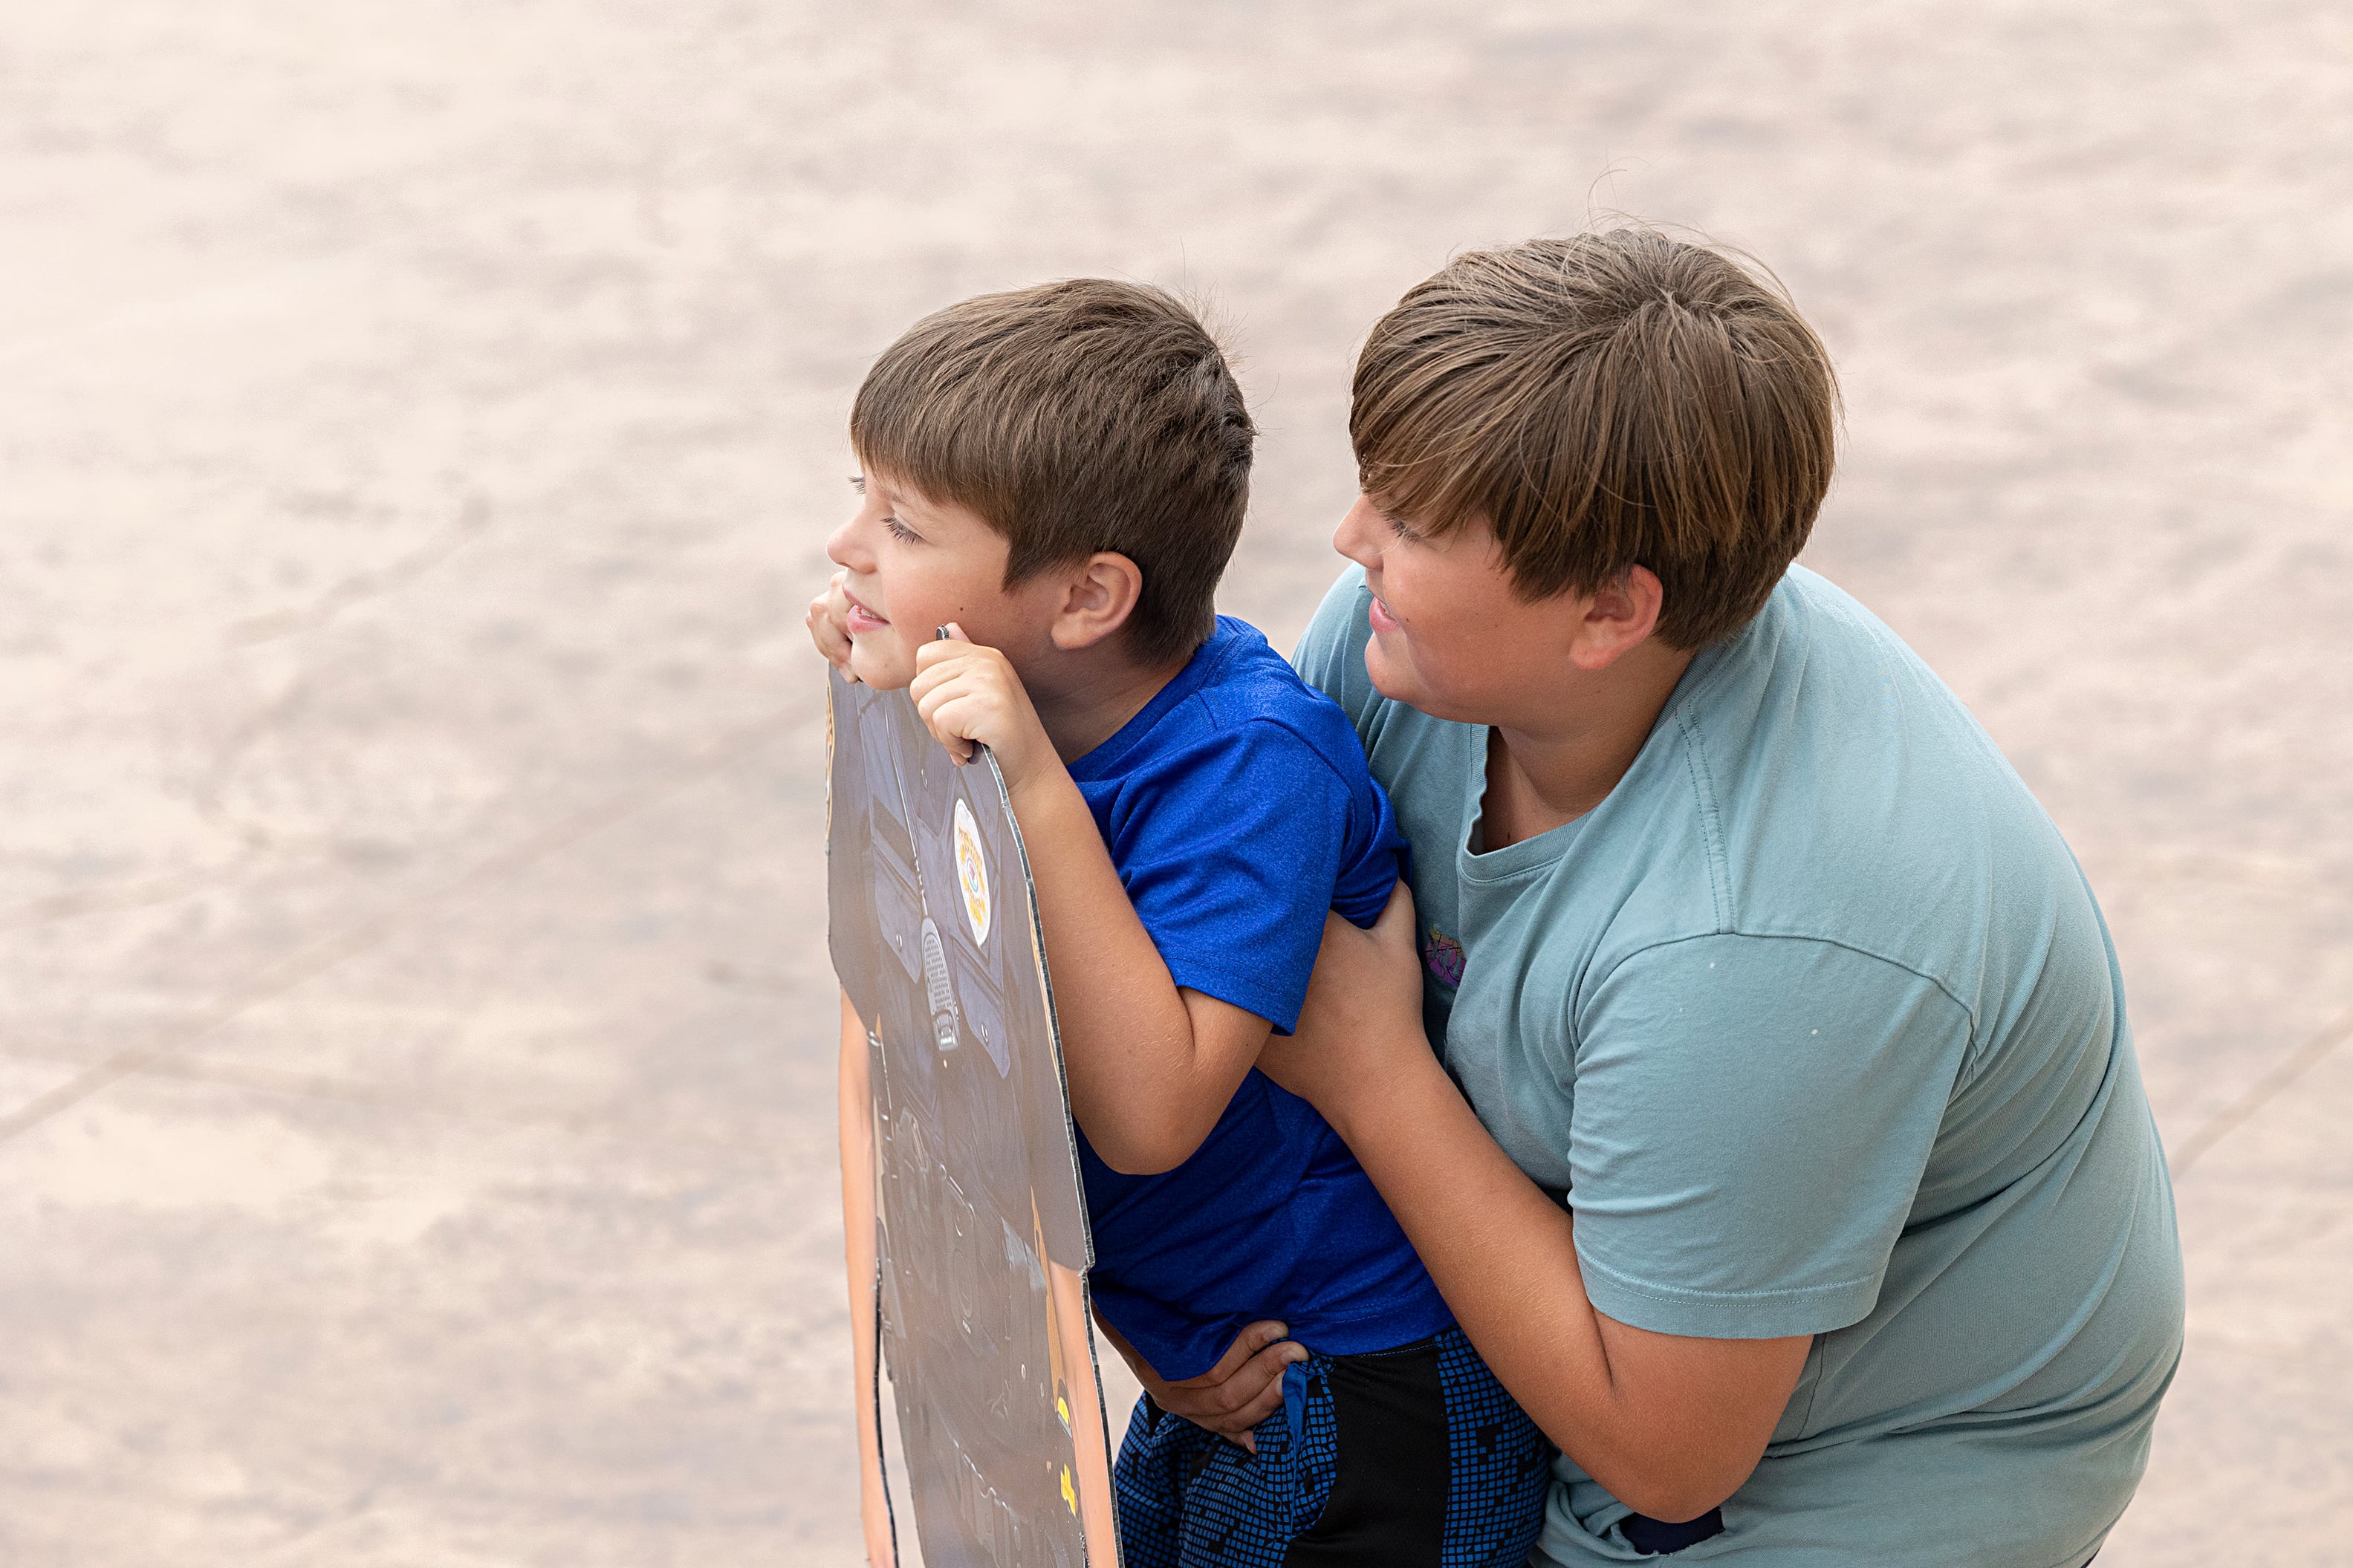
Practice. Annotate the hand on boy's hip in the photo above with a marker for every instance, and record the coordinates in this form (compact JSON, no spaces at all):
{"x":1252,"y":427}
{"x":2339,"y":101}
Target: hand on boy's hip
{"x":1232,"y":1397}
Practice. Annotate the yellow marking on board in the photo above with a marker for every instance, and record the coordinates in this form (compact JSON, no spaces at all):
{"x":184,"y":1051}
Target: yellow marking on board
{"x":1069,"y":1493}
{"x":1062,"y":1409}
{"x":972,"y":872}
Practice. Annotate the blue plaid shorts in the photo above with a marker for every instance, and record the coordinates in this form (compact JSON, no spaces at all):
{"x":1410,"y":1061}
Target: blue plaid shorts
{"x":1413,"y":1458}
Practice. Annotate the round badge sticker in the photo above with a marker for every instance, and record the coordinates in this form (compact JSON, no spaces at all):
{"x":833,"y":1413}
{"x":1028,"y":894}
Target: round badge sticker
{"x":972,"y":872}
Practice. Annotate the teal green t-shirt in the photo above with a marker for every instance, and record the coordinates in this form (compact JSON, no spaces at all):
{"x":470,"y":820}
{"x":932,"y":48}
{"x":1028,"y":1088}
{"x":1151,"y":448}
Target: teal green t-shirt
{"x":1815,"y":1026}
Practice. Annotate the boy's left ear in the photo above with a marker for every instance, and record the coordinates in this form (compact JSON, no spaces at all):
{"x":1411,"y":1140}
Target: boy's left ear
{"x":1101,"y":593}
{"x":1616,"y":618}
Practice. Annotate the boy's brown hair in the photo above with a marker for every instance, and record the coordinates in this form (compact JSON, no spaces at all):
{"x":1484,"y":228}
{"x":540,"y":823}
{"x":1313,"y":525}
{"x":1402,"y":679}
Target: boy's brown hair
{"x":1076,"y":416}
{"x":1620,"y":398}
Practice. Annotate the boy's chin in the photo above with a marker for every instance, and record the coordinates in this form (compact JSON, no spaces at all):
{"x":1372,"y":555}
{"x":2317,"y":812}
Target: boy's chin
{"x":1391,"y":677}
{"x":1395,"y":677}
{"x":877,"y":668}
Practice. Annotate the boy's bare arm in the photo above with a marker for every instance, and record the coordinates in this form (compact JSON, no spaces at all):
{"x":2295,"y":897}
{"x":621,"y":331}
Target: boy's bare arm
{"x":1151,"y":1066}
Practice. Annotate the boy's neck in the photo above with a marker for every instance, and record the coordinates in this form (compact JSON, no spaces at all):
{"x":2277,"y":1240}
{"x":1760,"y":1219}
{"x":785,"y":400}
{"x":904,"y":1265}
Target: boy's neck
{"x":1543,"y":774}
{"x":1084,"y":697}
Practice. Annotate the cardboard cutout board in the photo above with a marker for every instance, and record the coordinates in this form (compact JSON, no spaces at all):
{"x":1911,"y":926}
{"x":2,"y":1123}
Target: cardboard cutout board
{"x":980,"y":1227}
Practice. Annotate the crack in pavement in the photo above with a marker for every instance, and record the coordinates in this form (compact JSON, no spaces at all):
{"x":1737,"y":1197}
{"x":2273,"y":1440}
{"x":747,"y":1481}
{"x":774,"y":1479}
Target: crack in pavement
{"x":473,"y":517}
{"x":110,"y":897}
{"x":2284,"y":1072}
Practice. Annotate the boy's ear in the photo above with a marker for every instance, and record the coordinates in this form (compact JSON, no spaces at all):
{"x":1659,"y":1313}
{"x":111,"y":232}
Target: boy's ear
{"x":1615,"y":618}
{"x":1099,"y":594}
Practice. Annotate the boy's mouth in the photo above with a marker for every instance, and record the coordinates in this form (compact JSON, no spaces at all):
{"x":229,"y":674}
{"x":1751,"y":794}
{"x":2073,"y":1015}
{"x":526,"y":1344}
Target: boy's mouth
{"x":860,"y":618}
{"x":1378,"y":613}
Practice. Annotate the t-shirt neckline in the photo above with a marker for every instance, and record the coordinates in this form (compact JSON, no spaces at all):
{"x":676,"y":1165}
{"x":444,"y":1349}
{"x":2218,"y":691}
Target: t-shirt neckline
{"x":1531,"y":854}
{"x":1548,"y":848}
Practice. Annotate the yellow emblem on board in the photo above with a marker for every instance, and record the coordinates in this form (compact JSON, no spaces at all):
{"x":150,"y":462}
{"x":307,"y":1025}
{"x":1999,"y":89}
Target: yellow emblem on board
{"x":972,"y":872}
{"x":1070,"y":1492}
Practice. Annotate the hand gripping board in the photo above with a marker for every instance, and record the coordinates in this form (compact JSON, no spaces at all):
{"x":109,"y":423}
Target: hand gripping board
{"x":981,"y":1237}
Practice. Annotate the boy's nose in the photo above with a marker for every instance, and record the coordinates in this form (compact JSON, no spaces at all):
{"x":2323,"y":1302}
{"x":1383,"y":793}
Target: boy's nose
{"x":1356,"y":535}
{"x":842,"y":549}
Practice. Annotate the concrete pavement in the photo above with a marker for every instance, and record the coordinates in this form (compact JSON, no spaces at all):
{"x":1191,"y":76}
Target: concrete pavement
{"x":421,"y":424}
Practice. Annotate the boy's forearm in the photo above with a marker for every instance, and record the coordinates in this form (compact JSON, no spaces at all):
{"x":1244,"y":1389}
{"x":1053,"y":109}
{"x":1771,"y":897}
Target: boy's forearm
{"x":1670,"y":1426}
{"x":1142,"y":1084}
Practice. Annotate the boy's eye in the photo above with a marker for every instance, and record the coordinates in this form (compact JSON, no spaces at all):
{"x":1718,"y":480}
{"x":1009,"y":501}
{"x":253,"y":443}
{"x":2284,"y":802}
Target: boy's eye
{"x":1396,"y":524}
{"x":902,"y":532}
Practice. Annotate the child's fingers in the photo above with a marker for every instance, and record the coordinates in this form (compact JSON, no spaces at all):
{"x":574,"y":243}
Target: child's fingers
{"x":1243,"y":1389}
{"x":973,"y":679}
{"x":955,"y":715}
{"x":937,"y":663}
{"x":1269,"y":1401}
{"x":942,"y":726}
{"x":1249,"y":1391}
{"x":968,"y":691}
{"x":827,"y":627}
{"x":948,"y":652}
{"x":1247,"y":1344}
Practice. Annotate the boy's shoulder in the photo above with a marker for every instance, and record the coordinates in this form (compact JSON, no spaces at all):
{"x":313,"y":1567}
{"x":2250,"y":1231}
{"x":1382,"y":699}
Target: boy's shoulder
{"x":1237,"y":710}
{"x":1246,"y":687}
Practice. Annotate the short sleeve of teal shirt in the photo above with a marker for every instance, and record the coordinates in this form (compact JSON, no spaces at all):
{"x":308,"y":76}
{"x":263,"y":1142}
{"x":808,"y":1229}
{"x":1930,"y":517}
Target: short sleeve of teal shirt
{"x":1741,"y":1167}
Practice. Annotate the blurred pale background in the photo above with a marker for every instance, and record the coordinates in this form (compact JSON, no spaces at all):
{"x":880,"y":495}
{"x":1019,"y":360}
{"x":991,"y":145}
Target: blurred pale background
{"x":421,"y":424}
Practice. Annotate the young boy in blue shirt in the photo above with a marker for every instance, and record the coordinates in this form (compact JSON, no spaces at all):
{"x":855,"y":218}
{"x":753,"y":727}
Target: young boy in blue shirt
{"x":1054,"y":479}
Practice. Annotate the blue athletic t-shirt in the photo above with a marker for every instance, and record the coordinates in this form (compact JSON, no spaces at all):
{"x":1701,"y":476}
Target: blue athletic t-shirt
{"x":1238,"y":808}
